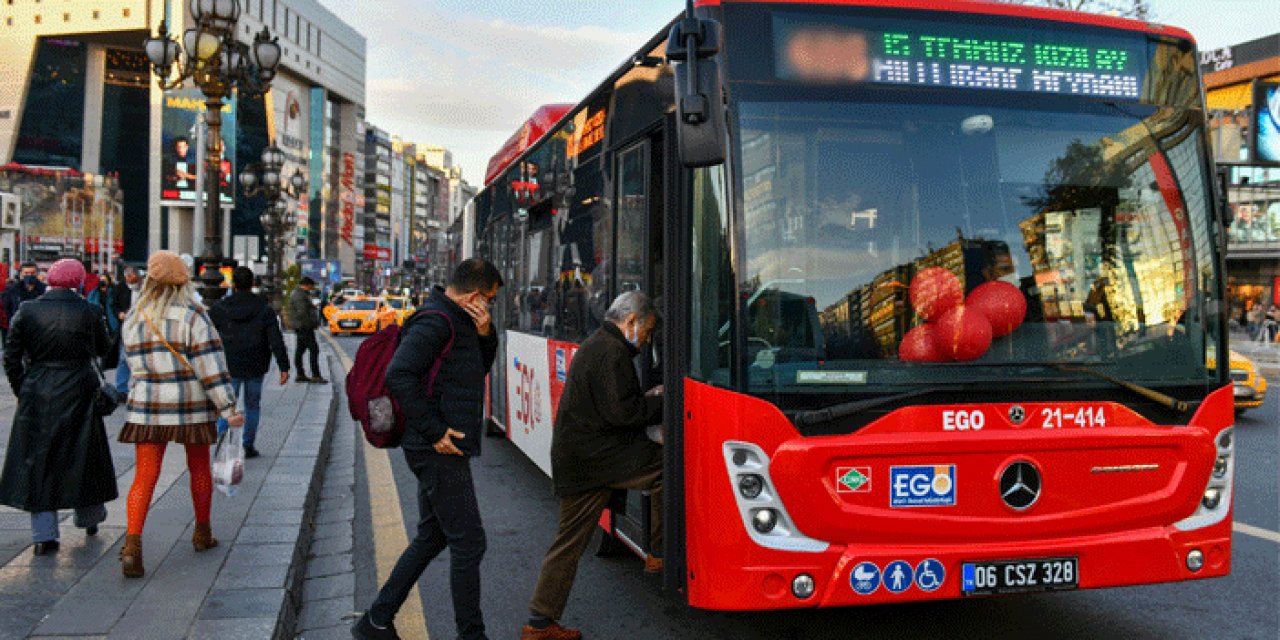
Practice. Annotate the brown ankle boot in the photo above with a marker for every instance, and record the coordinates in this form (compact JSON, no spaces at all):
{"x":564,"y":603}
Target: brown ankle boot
{"x":131,"y":556}
{"x":203,"y":539}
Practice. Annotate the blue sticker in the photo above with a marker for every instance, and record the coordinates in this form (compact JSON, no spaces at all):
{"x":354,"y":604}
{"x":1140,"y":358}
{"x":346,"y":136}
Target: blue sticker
{"x":561,"y":370}
{"x":922,"y":486}
{"x":865,"y":578}
{"x":930,"y":574}
{"x":898,"y":576}
{"x":967,"y":577}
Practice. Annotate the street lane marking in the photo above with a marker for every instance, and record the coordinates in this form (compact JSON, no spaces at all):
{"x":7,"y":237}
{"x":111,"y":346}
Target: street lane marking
{"x":1257,"y":532}
{"x":389,"y":537}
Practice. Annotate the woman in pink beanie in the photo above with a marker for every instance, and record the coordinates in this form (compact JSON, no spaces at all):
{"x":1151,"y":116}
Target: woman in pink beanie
{"x":58,"y":456}
{"x":180,"y":388}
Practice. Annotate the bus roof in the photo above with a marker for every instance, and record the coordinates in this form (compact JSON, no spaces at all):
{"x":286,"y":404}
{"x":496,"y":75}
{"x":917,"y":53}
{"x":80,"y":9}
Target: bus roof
{"x":989,"y":8}
{"x":525,"y":137}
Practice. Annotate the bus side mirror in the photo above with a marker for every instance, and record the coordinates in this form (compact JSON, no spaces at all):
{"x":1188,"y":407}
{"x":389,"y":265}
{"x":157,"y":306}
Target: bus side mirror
{"x":700,"y":123}
{"x":1224,"y":197}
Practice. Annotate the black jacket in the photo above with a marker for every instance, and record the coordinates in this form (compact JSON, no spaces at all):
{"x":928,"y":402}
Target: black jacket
{"x":302,"y":312}
{"x":16,"y":294}
{"x":457,"y":398}
{"x":58,"y":456}
{"x":122,"y":299}
{"x":599,"y":436}
{"x":250,"y":333}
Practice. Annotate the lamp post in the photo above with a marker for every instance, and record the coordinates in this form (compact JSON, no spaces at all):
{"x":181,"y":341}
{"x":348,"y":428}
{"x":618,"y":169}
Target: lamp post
{"x":219,"y":65}
{"x":264,"y":178}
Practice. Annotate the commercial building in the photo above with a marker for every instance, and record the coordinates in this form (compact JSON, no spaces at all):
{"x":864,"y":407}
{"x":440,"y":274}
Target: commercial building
{"x":1243,"y":98}
{"x":78,"y":99}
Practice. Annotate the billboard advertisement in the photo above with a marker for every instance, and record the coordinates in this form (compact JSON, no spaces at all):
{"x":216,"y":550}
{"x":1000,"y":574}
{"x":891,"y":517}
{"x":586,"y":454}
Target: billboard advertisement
{"x":183,"y":117}
{"x":67,"y":214}
{"x":1266,"y":109}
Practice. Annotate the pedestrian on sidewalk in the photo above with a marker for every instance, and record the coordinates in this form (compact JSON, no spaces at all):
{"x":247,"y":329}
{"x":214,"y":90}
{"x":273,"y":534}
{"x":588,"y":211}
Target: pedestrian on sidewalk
{"x":442,"y":433}
{"x":121,"y":301}
{"x":27,"y":287}
{"x":250,"y":333}
{"x":305,"y":319}
{"x":181,"y":387}
{"x":599,"y":444}
{"x":59,"y":456}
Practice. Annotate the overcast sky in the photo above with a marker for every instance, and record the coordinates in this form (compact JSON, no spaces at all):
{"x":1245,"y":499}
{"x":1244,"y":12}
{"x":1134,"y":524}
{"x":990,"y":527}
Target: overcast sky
{"x":466,"y":73}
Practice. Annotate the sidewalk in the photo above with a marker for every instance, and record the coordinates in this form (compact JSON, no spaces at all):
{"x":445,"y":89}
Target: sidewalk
{"x":250,"y":586}
{"x":1264,"y":355}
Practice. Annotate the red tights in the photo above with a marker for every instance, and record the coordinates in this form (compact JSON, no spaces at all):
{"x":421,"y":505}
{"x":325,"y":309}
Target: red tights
{"x":150,"y":458}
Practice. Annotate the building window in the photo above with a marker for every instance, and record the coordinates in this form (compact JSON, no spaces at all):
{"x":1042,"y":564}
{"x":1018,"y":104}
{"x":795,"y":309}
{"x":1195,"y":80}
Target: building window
{"x":127,"y":12}
{"x":286,"y":22}
{"x":319,"y":39}
{"x":37,"y":18}
{"x":66,"y":17}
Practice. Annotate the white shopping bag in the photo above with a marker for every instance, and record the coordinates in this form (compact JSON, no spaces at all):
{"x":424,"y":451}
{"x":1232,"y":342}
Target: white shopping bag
{"x":228,"y":461}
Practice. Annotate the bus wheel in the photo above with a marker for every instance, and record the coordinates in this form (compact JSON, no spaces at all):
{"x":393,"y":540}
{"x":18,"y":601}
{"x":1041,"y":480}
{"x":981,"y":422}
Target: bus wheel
{"x":610,"y":547}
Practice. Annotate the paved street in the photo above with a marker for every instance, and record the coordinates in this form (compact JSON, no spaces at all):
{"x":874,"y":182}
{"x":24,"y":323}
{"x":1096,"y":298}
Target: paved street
{"x":614,"y":599}
{"x":248,"y":587}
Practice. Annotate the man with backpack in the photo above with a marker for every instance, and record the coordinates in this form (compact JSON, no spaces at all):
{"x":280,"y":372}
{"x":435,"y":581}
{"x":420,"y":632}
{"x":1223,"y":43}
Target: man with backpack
{"x":437,"y":378}
{"x":250,"y":334}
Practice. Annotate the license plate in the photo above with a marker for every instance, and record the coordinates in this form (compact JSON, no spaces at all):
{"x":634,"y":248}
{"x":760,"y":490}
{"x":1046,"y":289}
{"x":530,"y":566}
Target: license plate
{"x":348,"y":324}
{"x":1019,"y":576}
{"x":1242,"y":391}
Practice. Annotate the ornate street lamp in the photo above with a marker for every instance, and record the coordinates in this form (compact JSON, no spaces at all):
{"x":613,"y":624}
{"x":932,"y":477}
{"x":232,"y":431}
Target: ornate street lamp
{"x":219,"y":65}
{"x":264,"y":178}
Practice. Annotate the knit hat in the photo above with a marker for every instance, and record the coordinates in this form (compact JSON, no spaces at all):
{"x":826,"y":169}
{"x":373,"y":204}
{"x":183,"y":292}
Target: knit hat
{"x":66,"y":274}
{"x":166,"y":267}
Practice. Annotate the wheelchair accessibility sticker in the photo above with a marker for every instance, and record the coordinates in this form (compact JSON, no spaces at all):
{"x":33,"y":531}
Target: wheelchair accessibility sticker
{"x":930,"y":574}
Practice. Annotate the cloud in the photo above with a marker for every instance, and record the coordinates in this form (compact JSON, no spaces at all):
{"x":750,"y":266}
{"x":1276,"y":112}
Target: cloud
{"x":468,"y":81}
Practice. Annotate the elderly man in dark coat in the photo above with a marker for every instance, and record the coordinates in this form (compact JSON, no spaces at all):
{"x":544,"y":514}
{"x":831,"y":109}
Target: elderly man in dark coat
{"x":598,"y":445}
{"x":58,"y":456}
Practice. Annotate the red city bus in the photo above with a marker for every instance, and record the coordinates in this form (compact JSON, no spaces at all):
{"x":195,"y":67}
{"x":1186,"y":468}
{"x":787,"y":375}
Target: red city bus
{"x":940,"y":283}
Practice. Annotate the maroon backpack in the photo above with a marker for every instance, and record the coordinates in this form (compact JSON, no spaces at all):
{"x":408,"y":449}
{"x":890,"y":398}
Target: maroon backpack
{"x":368,"y":399}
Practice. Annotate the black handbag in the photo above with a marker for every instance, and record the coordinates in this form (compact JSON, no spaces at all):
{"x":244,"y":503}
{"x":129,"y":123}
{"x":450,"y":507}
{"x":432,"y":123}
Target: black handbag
{"x":105,"y":398}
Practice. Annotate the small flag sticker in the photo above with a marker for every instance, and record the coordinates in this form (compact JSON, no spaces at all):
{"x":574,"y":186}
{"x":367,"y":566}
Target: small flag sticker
{"x":853,"y":480}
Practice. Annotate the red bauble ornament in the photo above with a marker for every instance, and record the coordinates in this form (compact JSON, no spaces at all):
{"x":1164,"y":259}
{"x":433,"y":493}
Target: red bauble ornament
{"x":935,"y":291}
{"x":920,"y":345}
{"x":1002,"y":303}
{"x":963,"y":333}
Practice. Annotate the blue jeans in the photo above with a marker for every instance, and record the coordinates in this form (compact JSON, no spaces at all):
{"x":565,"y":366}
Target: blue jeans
{"x":122,"y":373}
{"x":252,"y":394}
{"x":44,"y":524}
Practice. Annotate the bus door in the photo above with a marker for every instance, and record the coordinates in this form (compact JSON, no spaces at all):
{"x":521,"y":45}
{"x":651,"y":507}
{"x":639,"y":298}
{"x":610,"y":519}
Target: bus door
{"x":638,"y":260}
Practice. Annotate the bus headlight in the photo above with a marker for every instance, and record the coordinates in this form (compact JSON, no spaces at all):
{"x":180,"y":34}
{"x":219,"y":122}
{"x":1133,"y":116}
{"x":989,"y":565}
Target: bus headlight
{"x":1195,"y":560}
{"x":765,"y":520}
{"x":802,"y":587}
{"x":1215,"y":502}
{"x":750,"y":486}
{"x":763,"y":514}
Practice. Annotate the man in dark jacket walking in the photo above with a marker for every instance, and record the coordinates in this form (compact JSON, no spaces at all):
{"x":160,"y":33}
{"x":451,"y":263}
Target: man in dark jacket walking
{"x":304,"y":319}
{"x":27,"y":287}
{"x":598,"y":445}
{"x":250,"y":334}
{"x":444,"y":422}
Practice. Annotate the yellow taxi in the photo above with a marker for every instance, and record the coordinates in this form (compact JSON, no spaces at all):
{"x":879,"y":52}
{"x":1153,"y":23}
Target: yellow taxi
{"x":402,"y":307}
{"x":361,"y":314}
{"x":1250,"y":386}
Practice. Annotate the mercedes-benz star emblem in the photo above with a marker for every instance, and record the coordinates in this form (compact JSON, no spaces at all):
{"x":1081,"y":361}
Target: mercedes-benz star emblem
{"x":1017,"y":414}
{"x":1020,"y":485}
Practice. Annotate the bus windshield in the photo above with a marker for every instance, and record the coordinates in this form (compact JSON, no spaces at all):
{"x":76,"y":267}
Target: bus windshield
{"x":1093,"y":209}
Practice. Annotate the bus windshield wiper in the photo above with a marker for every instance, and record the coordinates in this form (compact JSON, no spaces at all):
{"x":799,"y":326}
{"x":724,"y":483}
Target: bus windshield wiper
{"x":846,"y":409}
{"x":1164,"y":400}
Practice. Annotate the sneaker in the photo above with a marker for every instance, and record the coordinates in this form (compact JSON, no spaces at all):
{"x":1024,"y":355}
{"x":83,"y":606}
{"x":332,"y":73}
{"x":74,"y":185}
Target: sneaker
{"x":250,"y":451}
{"x":302,"y":379}
{"x":553,"y":631}
{"x":364,"y":629}
{"x":317,"y":380}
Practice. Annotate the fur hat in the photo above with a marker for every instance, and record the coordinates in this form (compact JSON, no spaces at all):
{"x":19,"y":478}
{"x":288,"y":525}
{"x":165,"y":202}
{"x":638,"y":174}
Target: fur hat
{"x":66,"y":274}
{"x":166,"y":267}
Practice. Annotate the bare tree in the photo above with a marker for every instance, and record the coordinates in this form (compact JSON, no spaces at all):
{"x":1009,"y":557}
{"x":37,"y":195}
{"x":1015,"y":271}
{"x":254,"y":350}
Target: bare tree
{"x":1139,"y":9}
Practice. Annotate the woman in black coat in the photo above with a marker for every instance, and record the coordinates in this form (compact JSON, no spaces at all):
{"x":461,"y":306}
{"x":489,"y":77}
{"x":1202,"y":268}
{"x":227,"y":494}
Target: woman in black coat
{"x":58,"y":456}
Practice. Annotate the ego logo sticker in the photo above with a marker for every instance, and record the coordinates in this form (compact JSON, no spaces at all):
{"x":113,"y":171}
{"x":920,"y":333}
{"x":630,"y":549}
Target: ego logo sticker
{"x":922,"y":486}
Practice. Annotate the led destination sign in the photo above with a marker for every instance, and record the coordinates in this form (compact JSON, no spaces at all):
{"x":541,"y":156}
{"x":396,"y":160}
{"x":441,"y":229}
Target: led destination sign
{"x":959,"y":57}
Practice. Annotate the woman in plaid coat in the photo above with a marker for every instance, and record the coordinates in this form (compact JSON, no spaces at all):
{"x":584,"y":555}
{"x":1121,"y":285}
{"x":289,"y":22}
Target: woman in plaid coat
{"x":179,"y":388}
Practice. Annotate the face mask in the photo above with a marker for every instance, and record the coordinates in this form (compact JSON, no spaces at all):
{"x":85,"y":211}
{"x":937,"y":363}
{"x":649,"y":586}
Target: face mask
{"x":634,"y":338}
{"x":1011,"y":278}
{"x":30,"y":281}
{"x":256,"y":290}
